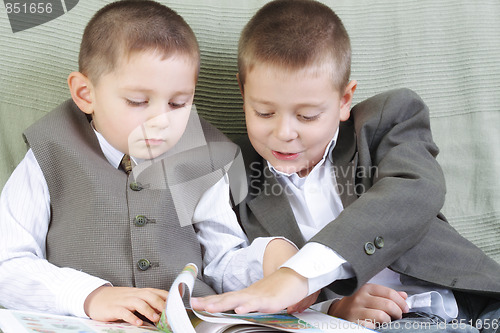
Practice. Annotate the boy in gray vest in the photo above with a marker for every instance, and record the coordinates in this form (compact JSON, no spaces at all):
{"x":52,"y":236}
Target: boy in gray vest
{"x":359,"y":191}
{"x":82,"y":234}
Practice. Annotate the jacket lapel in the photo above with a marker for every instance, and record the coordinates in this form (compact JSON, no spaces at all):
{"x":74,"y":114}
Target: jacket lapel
{"x":272,"y":209}
{"x":345,"y":159}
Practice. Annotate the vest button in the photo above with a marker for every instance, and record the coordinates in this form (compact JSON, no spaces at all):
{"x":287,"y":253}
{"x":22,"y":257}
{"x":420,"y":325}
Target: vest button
{"x":136,"y":186}
{"x":143,"y":264}
{"x":140,"y":220}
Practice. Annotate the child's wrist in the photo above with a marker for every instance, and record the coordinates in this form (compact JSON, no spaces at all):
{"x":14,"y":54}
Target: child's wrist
{"x":89,"y":300}
{"x":333,"y":307}
{"x":291,"y":277}
{"x":277,"y":252}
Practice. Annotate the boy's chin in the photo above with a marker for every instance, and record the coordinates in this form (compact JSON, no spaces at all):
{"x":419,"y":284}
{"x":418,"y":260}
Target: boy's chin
{"x":300,"y":170}
{"x":289,"y":170}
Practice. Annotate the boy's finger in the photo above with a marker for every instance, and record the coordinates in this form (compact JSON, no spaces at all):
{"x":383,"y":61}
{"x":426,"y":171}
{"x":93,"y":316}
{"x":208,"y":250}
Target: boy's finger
{"x":403,"y":294}
{"x":157,"y":303}
{"x":129,"y":317}
{"x":143,"y":308}
{"x":200,"y":303}
{"x":388,"y":293}
{"x":392,"y":307}
{"x":216,"y":303}
{"x":150,"y":301}
{"x":241,"y":302}
{"x":292,"y":309}
{"x":149,"y":313}
{"x":401,"y":302}
{"x":163,"y":294}
{"x":227,"y":302}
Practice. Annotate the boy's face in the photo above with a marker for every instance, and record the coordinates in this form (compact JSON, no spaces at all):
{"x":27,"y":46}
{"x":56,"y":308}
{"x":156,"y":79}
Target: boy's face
{"x":143,"y":106}
{"x":291,"y":116}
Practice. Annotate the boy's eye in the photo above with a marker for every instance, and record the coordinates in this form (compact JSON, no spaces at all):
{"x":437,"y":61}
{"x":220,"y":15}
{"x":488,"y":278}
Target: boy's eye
{"x":135,"y":103}
{"x":309,"y":118}
{"x":176,"y":105}
{"x":263,"y":114}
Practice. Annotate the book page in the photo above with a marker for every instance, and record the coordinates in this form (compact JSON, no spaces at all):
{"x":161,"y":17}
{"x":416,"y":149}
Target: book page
{"x":175,"y":306}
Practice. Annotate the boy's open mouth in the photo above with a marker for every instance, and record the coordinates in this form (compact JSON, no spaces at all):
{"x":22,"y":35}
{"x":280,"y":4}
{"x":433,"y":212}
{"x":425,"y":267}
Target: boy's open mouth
{"x":285,"y":156}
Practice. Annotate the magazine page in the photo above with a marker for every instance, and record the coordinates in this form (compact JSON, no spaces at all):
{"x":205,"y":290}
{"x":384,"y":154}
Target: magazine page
{"x":307,"y":321}
{"x":191,"y":321}
{"x":175,"y":306}
{"x":13,"y":321}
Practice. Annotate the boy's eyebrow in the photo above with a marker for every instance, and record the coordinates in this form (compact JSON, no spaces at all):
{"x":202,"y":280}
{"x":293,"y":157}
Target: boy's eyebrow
{"x":136,"y":89}
{"x":314,"y":105}
{"x":146,"y":90}
{"x":300,"y":105}
{"x":261,"y":101}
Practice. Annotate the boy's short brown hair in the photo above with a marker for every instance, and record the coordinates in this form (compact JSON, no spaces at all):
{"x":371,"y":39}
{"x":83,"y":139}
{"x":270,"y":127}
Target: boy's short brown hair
{"x":122,"y":28}
{"x":294,"y":34}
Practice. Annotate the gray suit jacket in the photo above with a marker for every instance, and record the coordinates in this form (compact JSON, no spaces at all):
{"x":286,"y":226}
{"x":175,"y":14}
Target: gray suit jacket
{"x":392,"y":189}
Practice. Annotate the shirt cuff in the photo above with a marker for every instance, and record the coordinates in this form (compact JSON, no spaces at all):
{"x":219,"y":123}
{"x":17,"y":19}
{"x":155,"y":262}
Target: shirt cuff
{"x":72,"y":297}
{"x":320,"y":265}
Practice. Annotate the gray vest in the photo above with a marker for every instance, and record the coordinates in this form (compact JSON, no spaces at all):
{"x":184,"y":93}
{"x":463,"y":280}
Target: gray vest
{"x":124,"y":229}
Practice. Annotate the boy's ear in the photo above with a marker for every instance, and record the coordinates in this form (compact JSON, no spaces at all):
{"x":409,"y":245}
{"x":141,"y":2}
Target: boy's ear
{"x":81,"y":88}
{"x":346,"y":100}
{"x":240,"y":84}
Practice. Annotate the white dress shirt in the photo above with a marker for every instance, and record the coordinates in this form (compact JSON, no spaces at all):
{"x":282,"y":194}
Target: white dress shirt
{"x":29,"y":281}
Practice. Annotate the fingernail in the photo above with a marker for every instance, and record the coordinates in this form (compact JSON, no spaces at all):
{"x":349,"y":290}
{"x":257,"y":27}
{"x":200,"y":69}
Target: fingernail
{"x":156,"y":317}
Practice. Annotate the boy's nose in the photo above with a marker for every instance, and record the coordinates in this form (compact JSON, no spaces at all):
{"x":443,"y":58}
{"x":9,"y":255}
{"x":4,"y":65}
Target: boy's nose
{"x":159,"y":119}
{"x":285,"y":130}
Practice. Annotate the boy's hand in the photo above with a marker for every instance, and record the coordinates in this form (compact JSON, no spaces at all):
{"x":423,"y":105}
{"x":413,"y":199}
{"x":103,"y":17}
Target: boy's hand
{"x":108,"y":303}
{"x":273,"y":293}
{"x":371,"y":305}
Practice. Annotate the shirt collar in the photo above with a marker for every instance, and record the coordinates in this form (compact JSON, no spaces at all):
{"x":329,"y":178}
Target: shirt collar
{"x":113,"y":155}
{"x":327,"y":152}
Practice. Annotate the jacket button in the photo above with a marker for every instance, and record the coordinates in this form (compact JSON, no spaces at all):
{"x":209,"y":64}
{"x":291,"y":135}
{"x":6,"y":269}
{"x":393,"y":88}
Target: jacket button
{"x":369,"y":248}
{"x":136,"y":186}
{"x":379,"y":242}
{"x":143,"y":264}
{"x":140,"y":220}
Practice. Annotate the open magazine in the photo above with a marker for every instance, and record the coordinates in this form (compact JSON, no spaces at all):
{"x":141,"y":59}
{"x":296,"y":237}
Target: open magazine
{"x":182,"y":320}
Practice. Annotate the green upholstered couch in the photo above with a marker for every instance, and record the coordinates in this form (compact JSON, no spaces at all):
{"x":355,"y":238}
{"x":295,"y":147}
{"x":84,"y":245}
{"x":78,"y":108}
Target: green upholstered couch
{"x":448,"y":51}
